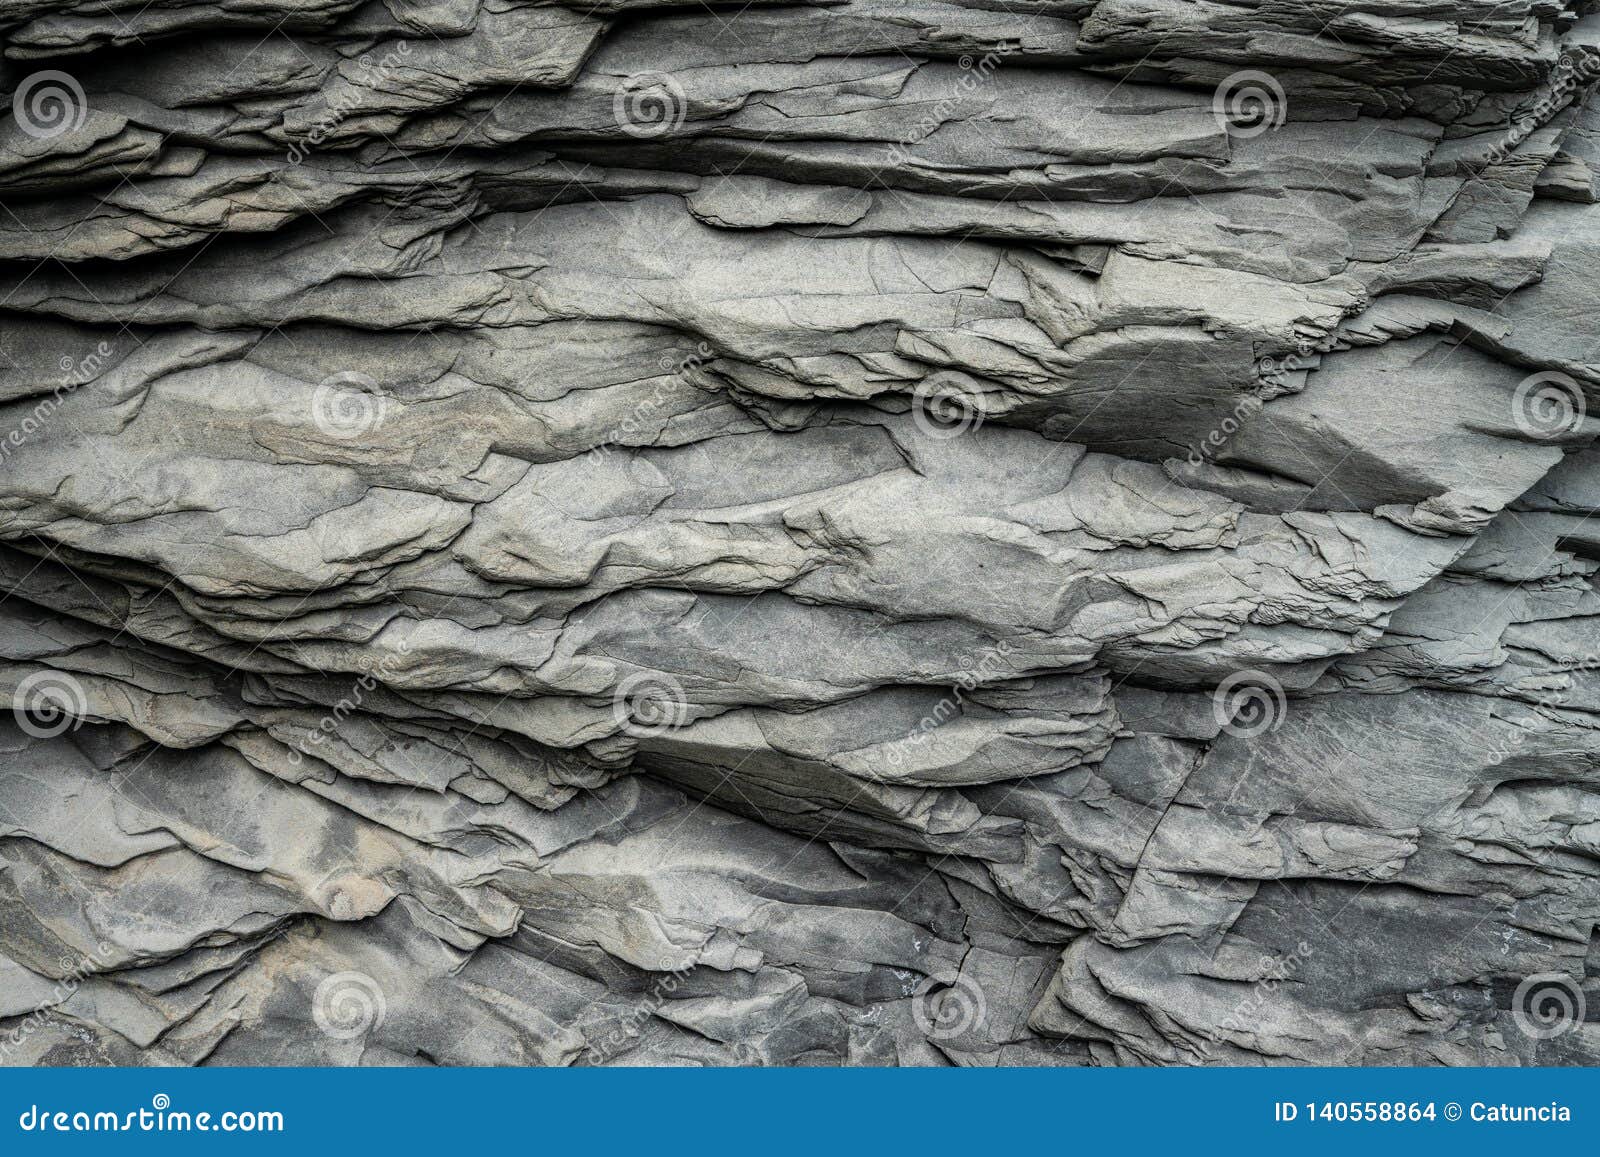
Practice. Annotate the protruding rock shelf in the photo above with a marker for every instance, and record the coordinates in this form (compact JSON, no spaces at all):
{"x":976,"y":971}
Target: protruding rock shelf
{"x":849,"y":533}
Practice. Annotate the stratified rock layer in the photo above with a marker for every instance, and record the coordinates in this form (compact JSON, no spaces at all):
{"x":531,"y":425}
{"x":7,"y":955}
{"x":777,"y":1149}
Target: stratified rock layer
{"x":866,"y":532}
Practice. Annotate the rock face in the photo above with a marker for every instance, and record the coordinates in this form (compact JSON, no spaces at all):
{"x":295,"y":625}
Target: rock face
{"x":868,"y":532}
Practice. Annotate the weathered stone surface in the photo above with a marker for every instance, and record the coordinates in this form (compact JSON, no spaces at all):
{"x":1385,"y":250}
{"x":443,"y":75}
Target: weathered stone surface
{"x":852,"y":533}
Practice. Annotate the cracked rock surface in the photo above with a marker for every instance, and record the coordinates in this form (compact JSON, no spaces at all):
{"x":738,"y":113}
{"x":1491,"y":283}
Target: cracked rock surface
{"x":862,"y":532}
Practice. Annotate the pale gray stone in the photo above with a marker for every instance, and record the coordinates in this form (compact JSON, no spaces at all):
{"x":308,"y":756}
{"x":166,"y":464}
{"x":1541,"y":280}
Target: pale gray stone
{"x":849,"y":533}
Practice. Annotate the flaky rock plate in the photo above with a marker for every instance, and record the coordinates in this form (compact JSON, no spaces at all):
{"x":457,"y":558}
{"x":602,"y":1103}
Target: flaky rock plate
{"x":858,"y":533}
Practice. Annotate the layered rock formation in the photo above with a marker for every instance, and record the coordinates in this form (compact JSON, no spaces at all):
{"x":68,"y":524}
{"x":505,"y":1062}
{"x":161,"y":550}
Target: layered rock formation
{"x":868,"y":532}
